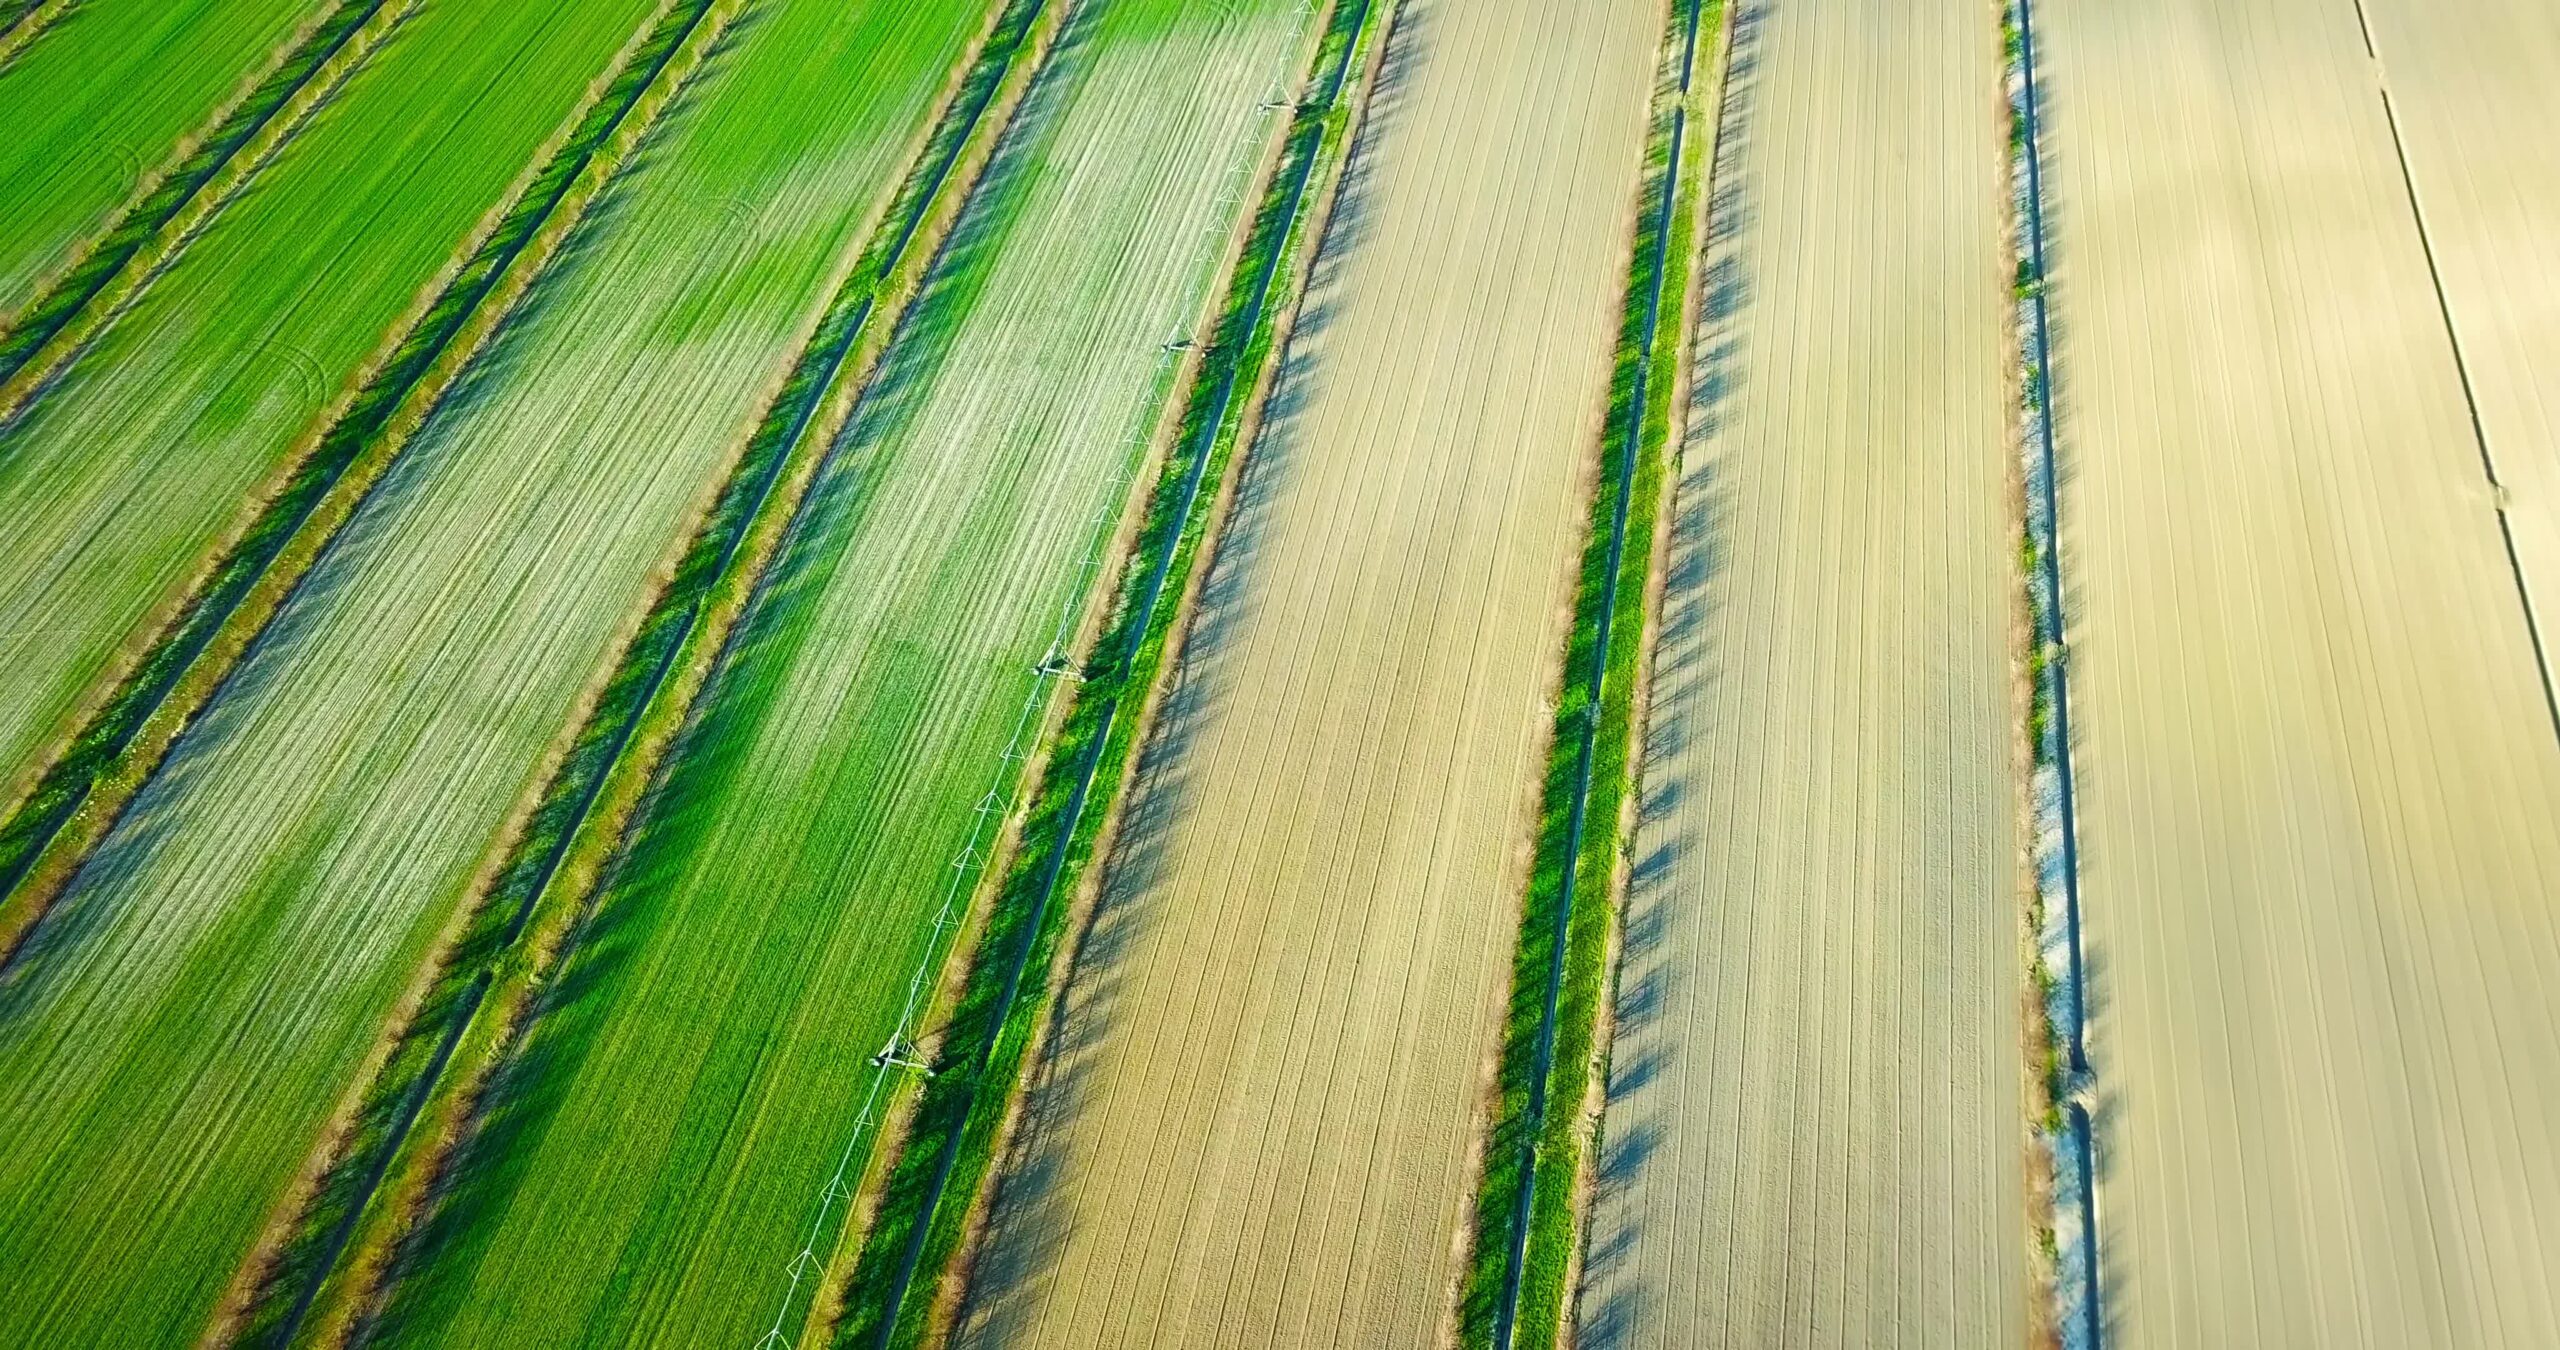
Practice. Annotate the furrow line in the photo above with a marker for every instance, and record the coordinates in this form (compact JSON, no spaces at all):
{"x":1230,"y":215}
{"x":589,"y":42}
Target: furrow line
{"x":102,"y":278}
{"x":90,"y":778}
{"x":23,"y":21}
{"x":375,"y":1175}
{"x":1522,"y":1252}
{"x":968,"y":1103}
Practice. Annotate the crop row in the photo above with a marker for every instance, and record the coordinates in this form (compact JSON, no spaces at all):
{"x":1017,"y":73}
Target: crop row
{"x":184,"y":196}
{"x":285,"y":873}
{"x":116,"y":96}
{"x":93,"y":776}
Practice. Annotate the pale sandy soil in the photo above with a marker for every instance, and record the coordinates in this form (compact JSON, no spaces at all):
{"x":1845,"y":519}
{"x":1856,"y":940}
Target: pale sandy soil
{"x":1813,"y":1133}
{"x":2318,"y":775}
{"x":2476,"y":85}
{"x":1254,"y":1131}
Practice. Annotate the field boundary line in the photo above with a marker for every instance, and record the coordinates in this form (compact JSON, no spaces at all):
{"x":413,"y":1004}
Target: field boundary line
{"x":1051,"y":834}
{"x":180,"y":658}
{"x":108,"y":273}
{"x":2461,"y":368}
{"x":1205,"y":536}
{"x":2065,"y":1223}
{"x":1519,"y":1254}
{"x":452,"y":321}
{"x":478,"y":992}
{"x":1697,"y":219}
{"x":30,"y":20}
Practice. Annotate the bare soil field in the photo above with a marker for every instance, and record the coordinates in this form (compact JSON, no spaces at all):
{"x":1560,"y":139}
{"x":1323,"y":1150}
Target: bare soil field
{"x":1813,"y":1133}
{"x":1252,"y":1126}
{"x":2317,"y":770}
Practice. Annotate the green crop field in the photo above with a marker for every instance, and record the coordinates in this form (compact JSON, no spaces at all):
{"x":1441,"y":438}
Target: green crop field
{"x":657,"y":1154}
{"x":98,"y":103}
{"x":1062,"y":674}
{"x":161,"y":437}
{"x":177,"y":1032}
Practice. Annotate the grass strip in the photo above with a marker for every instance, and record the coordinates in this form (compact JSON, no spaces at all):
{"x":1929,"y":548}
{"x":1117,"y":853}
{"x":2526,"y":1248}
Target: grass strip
{"x":1528,"y":1204}
{"x":94,"y":776}
{"x":953,"y":1134}
{"x":377,"y":1171}
{"x":176,"y":203}
{"x":270,"y":1309}
{"x":2061,"y":1085}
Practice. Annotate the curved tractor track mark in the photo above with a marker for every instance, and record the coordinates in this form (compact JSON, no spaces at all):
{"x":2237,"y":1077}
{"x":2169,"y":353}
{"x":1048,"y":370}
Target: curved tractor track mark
{"x":209,"y":170}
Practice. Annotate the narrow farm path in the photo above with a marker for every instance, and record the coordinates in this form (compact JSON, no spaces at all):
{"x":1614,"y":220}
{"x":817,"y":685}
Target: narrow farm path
{"x":1250,"y":1125}
{"x":659,"y":1144}
{"x":199,"y":1001}
{"x":2317,"y":775}
{"x":1813,"y":1128}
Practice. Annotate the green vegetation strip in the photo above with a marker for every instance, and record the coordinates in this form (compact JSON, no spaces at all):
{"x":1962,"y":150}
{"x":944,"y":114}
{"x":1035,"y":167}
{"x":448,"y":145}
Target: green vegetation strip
{"x":22,"y":21}
{"x":685,"y":620}
{"x":953,"y":1133}
{"x":107,"y":759}
{"x":2063,"y":1061}
{"x":70,"y":293}
{"x":1527,"y":1205}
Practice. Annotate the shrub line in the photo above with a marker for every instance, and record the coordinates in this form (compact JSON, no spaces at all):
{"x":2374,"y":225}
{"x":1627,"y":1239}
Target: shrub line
{"x":971,"y":1096}
{"x":2064,"y":1085}
{"x":1522,"y":1238}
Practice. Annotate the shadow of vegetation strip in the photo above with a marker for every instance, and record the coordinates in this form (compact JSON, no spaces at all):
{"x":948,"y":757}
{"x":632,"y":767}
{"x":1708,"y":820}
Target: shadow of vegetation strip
{"x":425,"y":1046}
{"x":1527,"y":1201}
{"x":101,"y":744}
{"x":951,"y":1137}
{"x":62,"y":300}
